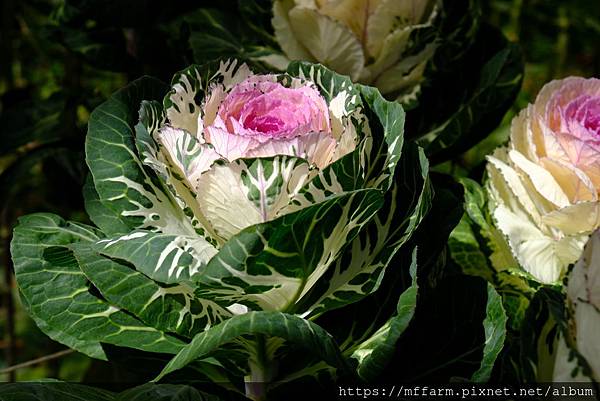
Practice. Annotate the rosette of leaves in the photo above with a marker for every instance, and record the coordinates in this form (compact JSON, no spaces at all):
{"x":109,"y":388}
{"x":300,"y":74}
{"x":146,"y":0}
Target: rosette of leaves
{"x":229,"y":264}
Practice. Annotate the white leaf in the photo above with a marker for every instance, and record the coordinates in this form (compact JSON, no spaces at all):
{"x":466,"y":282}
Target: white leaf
{"x":543,"y":256}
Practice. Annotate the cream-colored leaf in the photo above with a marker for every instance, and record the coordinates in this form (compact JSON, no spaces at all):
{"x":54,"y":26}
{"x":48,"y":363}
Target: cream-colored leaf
{"x":509,"y":185}
{"x":391,"y":51}
{"x":354,"y":14}
{"x":521,"y":134}
{"x":330,"y":42}
{"x":390,"y":16}
{"x":580,"y":218}
{"x":232,"y":197}
{"x":284,"y":34}
{"x":543,"y":182}
{"x":542,"y":255}
{"x":407,"y":73}
{"x":184,"y":112}
{"x":225,"y":202}
{"x":546,"y":141}
{"x":576,"y":184}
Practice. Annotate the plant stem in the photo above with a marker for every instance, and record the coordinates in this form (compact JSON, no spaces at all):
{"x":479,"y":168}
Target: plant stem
{"x":36,"y":361}
{"x":260,"y":372}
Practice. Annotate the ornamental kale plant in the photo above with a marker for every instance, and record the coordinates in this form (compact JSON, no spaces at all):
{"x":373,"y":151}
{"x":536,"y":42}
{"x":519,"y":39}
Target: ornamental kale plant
{"x":232,"y":211}
{"x":543,"y":187}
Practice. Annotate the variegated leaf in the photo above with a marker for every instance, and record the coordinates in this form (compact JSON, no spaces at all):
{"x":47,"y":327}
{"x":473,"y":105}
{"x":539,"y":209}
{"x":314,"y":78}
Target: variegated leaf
{"x":245,"y":192}
{"x":273,"y":266}
{"x":169,"y":259}
{"x":121,"y":182}
{"x":495,"y":334}
{"x":177,"y":158}
{"x":58,"y":293}
{"x":384,"y":125}
{"x":375,"y":352}
{"x":107,"y":219}
{"x":187,"y":105}
{"x":291,"y":328}
{"x":359,"y":271}
{"x":386,"y":122}
{"x":166,"y":308}
{"x":338,"y":90}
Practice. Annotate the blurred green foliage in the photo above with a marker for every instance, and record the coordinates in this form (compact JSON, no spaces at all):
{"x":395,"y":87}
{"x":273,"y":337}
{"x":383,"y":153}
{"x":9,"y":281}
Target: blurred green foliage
{"x":59,"y":59}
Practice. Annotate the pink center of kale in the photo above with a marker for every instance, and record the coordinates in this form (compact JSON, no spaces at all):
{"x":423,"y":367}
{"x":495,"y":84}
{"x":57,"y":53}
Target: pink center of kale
{"x":270,"y":110}
{"x":585,"y":110}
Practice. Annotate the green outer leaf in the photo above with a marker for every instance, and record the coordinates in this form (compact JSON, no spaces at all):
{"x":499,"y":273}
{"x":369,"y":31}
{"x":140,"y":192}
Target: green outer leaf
{"x":169,"y":309}
{"x":466,"y":252}
{"x":122,"y":184}
{"x":476,"y":239}
{"x":89,"y":348}
{"x":57,"y":292}
{"x":105,"y":218}
{"x":495,"y":334}
{"x":165,"y":392}
{"x":289,"y":327}
{"x":354,"y":323}
{"x":481,"y":250}
{"x":52,"y":391}
{"x":271,"y":266}
{"x":374,"y":353}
